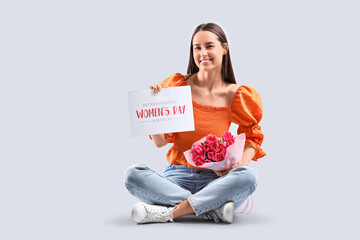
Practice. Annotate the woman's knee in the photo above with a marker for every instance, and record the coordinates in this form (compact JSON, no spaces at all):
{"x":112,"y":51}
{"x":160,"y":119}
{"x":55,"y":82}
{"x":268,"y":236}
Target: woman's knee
{"x":133,"y":173}
{"x":247,"y":174}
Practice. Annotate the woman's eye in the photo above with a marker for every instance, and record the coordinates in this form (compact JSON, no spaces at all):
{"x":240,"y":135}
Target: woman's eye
{"x":206,"y":46}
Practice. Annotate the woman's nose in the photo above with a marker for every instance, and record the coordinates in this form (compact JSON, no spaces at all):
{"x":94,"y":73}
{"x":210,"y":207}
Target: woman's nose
{"x":203,"y":52}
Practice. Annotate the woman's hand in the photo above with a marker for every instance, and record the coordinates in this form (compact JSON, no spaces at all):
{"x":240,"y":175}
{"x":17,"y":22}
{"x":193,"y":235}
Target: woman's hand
{"x":156,"y":87}
{"x":222,"y":173}
{"x":249,"y":153}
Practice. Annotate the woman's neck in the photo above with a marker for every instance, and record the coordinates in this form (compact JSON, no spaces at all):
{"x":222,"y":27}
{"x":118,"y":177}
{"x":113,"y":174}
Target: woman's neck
{"x":209,"y":80}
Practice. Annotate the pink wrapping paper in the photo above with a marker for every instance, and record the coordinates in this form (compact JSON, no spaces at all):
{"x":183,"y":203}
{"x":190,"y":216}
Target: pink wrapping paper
{"x":233,"y":155}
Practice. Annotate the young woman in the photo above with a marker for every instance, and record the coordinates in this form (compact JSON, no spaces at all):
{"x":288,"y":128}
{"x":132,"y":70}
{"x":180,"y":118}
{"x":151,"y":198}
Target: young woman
{"x":217,"y":101}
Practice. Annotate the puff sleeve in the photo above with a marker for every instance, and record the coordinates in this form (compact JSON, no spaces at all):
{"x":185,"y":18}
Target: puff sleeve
{"x":174,"y":80}
{"x":246,"y":111}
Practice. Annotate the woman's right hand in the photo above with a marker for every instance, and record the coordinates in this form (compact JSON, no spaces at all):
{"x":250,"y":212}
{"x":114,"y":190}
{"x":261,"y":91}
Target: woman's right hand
{"x":156,"y":87}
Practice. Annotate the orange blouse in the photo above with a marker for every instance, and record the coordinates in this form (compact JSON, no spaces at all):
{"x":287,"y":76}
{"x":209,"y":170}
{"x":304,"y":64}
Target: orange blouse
{"x":245,"y":110}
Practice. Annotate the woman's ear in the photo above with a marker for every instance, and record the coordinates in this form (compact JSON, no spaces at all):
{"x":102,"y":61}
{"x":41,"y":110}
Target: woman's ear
{"x":226,"y":47}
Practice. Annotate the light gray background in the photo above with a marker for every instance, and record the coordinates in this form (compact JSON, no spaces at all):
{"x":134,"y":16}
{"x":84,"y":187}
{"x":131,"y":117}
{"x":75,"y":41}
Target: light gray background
{"x":66,"y":68}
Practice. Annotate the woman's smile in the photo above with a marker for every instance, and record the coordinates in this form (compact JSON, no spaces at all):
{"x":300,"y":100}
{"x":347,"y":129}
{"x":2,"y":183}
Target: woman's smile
{"x":205,"y":61}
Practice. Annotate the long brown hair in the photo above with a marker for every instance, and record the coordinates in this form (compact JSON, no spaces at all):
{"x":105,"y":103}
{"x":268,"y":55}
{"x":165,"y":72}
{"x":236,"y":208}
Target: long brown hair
{"x":226,"y":67}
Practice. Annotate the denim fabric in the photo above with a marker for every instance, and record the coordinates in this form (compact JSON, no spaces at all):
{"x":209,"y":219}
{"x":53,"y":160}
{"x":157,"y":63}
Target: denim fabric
{"x":178,"y":182}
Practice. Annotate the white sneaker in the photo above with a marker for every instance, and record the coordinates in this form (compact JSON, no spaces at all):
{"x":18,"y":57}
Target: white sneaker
{"x":146,"y":213}
{"x":223,"y":214}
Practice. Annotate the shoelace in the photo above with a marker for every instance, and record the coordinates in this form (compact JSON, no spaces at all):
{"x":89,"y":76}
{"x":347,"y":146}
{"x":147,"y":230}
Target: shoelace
{"x":159,"y":215}
{"x":211,"y":215}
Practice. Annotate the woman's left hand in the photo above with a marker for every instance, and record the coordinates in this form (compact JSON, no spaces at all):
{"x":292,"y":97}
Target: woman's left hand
{"x":222,"y":173}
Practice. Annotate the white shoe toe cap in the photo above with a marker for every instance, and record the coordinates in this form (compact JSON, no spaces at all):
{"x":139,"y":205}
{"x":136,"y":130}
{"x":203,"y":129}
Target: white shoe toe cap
{"x":138,"y":212}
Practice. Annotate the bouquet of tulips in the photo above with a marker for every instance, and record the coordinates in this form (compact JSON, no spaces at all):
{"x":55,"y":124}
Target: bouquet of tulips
{"x":215,"y":153}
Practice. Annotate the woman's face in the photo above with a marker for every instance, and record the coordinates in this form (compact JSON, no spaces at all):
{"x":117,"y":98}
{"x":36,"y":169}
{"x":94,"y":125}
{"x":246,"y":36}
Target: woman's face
{"x":207,"y":51}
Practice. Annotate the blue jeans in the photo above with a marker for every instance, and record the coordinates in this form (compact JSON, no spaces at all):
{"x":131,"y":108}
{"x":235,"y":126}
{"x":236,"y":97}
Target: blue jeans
{"x":178,"y":182}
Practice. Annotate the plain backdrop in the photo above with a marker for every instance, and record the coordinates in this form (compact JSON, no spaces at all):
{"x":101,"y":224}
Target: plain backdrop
{"x":65,"y":141}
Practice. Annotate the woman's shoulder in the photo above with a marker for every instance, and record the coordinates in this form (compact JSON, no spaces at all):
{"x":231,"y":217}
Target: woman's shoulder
{"x":245,"y":97}
{"x":233,"y":88}
{"x":243,"y":90}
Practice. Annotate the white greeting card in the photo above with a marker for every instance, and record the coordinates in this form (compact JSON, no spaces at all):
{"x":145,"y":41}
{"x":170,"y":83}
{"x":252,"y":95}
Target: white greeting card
{"x":167,"y":111}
